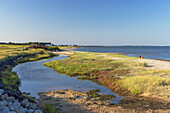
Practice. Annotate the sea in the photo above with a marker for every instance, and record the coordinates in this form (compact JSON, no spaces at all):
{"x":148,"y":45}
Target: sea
{"x":150,"y":52}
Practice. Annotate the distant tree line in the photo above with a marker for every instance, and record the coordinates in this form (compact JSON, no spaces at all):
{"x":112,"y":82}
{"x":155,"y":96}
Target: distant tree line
{"x":28,"y":43}
{"x":42,"y":43}
{"x":49,"y":48}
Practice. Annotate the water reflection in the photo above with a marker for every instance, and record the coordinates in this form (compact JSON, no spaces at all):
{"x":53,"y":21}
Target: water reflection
{"x":35,"y":77}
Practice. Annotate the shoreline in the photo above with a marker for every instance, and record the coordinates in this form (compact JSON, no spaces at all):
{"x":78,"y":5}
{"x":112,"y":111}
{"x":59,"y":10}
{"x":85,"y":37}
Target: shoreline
{"x":20,"y":102}
{"x":129,"y":98}
{"x":153,"y":62}
{"x":135,"y":98}
{"x":72,"y":101}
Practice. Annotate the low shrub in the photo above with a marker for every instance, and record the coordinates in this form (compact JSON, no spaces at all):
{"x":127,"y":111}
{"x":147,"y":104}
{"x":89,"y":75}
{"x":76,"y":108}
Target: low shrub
{"x":49,"y":108}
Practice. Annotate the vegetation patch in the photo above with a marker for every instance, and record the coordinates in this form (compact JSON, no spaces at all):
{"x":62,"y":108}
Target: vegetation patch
{"x":49,"y":108}
{"x":146,"y":84}
{"x":94,"y":66}
{"x":60,"y":92}
{"x":95,"y":93}
{"x":11,"y":55}
{"x":106,"y":97}
{"x":123,"y":74}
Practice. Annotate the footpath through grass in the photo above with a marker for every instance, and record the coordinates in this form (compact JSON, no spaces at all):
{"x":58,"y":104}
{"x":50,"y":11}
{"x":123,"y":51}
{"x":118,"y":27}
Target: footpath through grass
{"x":11,"y":55}
{"x":120,"y":73}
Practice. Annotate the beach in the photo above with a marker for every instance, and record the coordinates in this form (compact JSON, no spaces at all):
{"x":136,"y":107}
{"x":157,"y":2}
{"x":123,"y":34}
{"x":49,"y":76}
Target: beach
{"x":146,"y":72}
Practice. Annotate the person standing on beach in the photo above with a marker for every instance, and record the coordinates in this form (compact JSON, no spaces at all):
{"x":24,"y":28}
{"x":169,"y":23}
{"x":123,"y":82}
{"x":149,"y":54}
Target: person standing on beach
{"x":141,"y":56}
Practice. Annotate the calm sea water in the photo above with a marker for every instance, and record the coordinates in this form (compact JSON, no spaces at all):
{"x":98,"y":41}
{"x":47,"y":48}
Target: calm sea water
{"x":151,"y":52}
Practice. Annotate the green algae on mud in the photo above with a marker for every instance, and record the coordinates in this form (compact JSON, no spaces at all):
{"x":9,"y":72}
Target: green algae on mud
{"x":117,"y":72}
{"x":94,"y":93}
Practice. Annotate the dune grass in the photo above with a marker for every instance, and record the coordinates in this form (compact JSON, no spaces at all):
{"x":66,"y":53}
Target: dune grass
{"x":116,"y":72}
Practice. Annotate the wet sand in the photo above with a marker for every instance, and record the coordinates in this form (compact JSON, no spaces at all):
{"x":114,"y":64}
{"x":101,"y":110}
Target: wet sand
{"x":75,"y":102}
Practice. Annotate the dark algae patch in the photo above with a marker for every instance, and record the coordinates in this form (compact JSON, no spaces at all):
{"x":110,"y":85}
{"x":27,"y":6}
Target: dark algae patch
{"x":95,"y":93}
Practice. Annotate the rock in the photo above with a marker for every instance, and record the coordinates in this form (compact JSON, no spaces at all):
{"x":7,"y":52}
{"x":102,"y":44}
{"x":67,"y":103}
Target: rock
{"x":30,"y":111}
{"x":38,"y":111}
{"x":9,"y":103}
{"x":2,"y":104}
{"x":37,"y":102}
{"x":11,"y":108}
{"x":27,"y":105}
{"x":34,"y":106}
{"x":10,"y":99}
{"x":23,"y":103}
{"x":26,"y":100}
{"x":31,"y":104}
{"x":29,"y":100}
{"x":4,"y":109}
{"x":16,"y":105}
{"x":1,"y":91}
{"x":17,"y":101}
{"x":21,"y":110}
{"x":4,"y":96}
{"x":12,"y":112}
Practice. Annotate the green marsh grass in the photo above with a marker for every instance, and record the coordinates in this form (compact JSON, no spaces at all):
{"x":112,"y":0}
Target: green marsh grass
{"x":115,"y":71}
{"x":146,"y":84}
{"x":8,"y":52}
{"x":49,"y":108}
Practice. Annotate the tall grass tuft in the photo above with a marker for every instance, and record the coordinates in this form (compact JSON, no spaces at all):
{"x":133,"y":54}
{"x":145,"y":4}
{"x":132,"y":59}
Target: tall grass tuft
{"x":145,"y":84}
{"x":49,"y":108}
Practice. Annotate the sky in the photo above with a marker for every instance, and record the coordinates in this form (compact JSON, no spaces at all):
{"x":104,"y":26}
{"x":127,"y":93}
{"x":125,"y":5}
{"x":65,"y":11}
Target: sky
{"x":86,"y":22}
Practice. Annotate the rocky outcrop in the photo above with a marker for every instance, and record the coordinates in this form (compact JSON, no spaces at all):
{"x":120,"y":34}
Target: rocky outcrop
{"x":14,"y":101}
{"x":11,"y":61}
{"x":5,"y":65}
{"x":10,"y":104}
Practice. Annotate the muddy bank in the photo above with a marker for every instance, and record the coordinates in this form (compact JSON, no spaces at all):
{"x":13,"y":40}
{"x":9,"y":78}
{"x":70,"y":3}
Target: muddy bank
{"x":71,"y":101}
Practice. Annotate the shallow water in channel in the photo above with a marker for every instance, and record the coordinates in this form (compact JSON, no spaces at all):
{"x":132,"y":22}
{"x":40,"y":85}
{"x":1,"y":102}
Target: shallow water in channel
{"x":35,"y":77}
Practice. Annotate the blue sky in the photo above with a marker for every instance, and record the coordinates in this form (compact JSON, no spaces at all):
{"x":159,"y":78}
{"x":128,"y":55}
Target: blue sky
{"x":86,"y":22}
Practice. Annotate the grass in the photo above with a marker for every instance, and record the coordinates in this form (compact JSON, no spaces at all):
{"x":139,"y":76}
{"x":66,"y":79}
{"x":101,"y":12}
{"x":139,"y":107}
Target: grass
{"x":49,"y":108}
{"x":83,"y":65}
{"x":118,"y":72}
{"x":146,"y":84}
{"x":10,"y":78}
{"x":67,"y":48}
{"x":10,"y":52}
